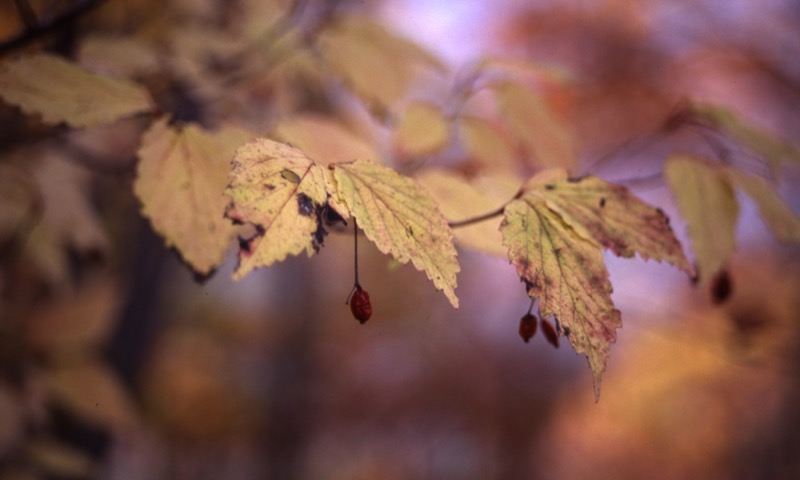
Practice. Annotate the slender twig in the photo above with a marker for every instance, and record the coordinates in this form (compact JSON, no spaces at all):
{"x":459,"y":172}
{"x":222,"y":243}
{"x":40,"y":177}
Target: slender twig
{"x":479,"y":218}
{"x":42,"y":28}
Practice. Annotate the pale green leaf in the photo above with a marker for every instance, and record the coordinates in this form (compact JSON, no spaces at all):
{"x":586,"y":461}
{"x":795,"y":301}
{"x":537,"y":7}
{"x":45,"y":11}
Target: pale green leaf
{"x":707,"y":203}
{"x":610,"y":215}
{"x":275,"y":187}
{"x":422,"y":130}
{"x":775,"y":213}
{"x":181,"y":180}
{"x":566,"y":273}
{"x":545,"y":138}
{"x":61,"y":91}
{"x":401,"y":219}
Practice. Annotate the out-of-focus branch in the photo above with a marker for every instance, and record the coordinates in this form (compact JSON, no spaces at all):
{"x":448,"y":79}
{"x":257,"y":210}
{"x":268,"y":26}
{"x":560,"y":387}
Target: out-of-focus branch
{"x":39,"y":29}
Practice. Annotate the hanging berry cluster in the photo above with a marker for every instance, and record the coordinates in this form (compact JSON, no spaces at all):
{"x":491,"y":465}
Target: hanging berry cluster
{"x":527,"y":327}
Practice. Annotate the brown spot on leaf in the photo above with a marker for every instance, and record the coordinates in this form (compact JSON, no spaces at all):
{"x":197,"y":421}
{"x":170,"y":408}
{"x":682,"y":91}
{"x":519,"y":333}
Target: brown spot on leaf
{"x":602,"y":202}
{"x":290,"y":176}
{"x":331,"y":217}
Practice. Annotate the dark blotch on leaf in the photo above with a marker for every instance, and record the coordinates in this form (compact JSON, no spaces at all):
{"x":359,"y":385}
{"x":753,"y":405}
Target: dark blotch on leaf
{"x":305,"y":206}
{"x":269,"y":186}
{"x":234,"y":219}
{"x":318,"y":237}
{"x":244,"y":244}
{"x":549,"y":186}
{"x":602,"y":202}
{"x":331,"y":217}
{"x":721,"y":287}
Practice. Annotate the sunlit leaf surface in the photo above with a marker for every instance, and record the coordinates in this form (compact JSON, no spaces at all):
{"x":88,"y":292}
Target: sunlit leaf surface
{"x":181,"y":181}
{"x":276,"y":188}
{"x":401,"y":219}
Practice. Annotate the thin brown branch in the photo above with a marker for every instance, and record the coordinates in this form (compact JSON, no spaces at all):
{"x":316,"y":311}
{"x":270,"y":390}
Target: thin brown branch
{"x":42,"y":28}
{"x":479,"y":218}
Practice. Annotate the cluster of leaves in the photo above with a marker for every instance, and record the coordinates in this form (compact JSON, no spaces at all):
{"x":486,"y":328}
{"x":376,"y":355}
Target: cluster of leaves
{"x":201,"y":187}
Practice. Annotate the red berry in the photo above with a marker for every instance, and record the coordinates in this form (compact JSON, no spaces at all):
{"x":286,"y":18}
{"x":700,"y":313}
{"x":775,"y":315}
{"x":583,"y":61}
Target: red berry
{"x":527,"y":326}
{"x":550,"y":332}
{"x":359,"y":305}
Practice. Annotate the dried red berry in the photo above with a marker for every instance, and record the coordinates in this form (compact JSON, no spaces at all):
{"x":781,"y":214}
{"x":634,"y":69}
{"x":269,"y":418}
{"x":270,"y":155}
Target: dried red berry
{"x":527,"y":326}
{"x":549,"y":332}
{"x":359,"y":304}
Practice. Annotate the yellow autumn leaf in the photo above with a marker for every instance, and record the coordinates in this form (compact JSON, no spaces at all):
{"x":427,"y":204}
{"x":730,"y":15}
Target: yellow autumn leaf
{"x":544,"y":137}
{"x":401,"y":219}
{"x":61,"y":91}
{"x":485,"y":194}
{"x":276,"y":188}
{"x":707,"y":203}
{"x":567,"y":274}
{"x":376,"y":64}
{"x":323,"y":139}
{"x":770,"y":148}
{"x":774,"y":212}
{"x":610,"y":215}
{"x":181,"y":180}
{"x":555,"y":232}
{"x":486,"y":143}
{"x":422,"y":130}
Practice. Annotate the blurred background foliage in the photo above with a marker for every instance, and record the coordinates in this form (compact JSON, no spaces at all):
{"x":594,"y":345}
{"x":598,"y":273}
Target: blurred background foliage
{"x":116,"y":364}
